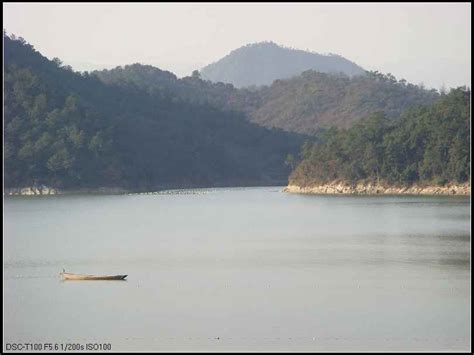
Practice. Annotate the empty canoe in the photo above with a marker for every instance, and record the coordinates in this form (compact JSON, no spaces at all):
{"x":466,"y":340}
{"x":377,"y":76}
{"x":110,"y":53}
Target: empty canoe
{"x":69,"y":276}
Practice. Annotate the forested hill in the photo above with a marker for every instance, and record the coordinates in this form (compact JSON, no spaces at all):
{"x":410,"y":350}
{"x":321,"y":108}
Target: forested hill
{"x":70,"y":130}
{"x":191,"y":89}
{"x":302,"y":104}
{"x":262,"y":63}
{"x":315,"y":100}
{"x":429,"y":144}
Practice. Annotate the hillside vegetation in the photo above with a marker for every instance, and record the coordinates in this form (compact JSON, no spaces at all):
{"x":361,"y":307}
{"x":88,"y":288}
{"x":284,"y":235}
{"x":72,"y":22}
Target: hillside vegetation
{"x":70,"y":130}
{"x":191,"y":89}
{"x":428,"y":145}
{"x":317,"y":100}
{"x":302,"y":104}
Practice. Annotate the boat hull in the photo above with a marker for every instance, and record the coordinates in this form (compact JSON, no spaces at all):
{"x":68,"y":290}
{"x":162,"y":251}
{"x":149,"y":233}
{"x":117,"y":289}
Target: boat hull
{"x":77,"y":277}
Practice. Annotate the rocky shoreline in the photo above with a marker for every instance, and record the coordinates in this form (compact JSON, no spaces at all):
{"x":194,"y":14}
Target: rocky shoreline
{"x":45,"y":190}
{"x":335,"y":188}
{"x":338,"y":187}
{"x":42,"y":190}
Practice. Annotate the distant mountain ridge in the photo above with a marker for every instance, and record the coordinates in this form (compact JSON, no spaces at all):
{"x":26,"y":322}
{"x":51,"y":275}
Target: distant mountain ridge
{"x":262,"y":63}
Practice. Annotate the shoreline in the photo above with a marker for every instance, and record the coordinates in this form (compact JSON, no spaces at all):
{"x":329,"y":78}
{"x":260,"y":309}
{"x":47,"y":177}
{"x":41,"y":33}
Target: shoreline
{"x":50,"y":191}
{"x":361,"y":188}
{"x":333,"y":188}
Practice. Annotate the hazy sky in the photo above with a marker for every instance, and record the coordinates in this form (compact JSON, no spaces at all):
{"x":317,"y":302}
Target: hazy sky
{"x":421,"y":42}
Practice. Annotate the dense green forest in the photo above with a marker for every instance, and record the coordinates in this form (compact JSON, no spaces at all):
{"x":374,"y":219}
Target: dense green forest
{"x":71,"y":130}
{"x":429,"y":144}
{"x":190,"y":89}
{"x":262,"y":63}
{"x":318,"y":100}
{"x":302,"y":104}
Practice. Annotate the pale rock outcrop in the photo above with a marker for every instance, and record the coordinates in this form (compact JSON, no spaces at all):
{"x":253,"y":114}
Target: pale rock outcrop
{"x":338,"y":187}
{"x":30,"y":191}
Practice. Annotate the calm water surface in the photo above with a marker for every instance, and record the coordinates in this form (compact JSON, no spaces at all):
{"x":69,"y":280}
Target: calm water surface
{"x":239,"y":269}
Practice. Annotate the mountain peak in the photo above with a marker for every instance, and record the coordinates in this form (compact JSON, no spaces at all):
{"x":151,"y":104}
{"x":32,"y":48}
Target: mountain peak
{"x":262,"y":63}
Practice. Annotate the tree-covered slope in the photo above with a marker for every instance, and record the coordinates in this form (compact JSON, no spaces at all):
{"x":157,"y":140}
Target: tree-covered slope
{"x":262,"y":63}
{"x":191,"y":89}
{"x":302,"y":104}
{"x":71,"y":130}
{"x":429,"y":144}
{"x":314,"y":100}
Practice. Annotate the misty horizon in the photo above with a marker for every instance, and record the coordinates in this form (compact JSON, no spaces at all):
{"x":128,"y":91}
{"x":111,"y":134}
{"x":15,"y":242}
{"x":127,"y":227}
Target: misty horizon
{"x":84,"y":66}
{"x":405,"y":40}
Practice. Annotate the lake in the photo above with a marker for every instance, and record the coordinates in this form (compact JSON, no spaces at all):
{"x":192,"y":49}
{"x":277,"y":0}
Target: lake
{"x":239,"y":269}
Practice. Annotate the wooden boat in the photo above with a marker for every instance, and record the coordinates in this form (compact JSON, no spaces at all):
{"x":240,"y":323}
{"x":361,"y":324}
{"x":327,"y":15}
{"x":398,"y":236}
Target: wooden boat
{"x":70,"y":276}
